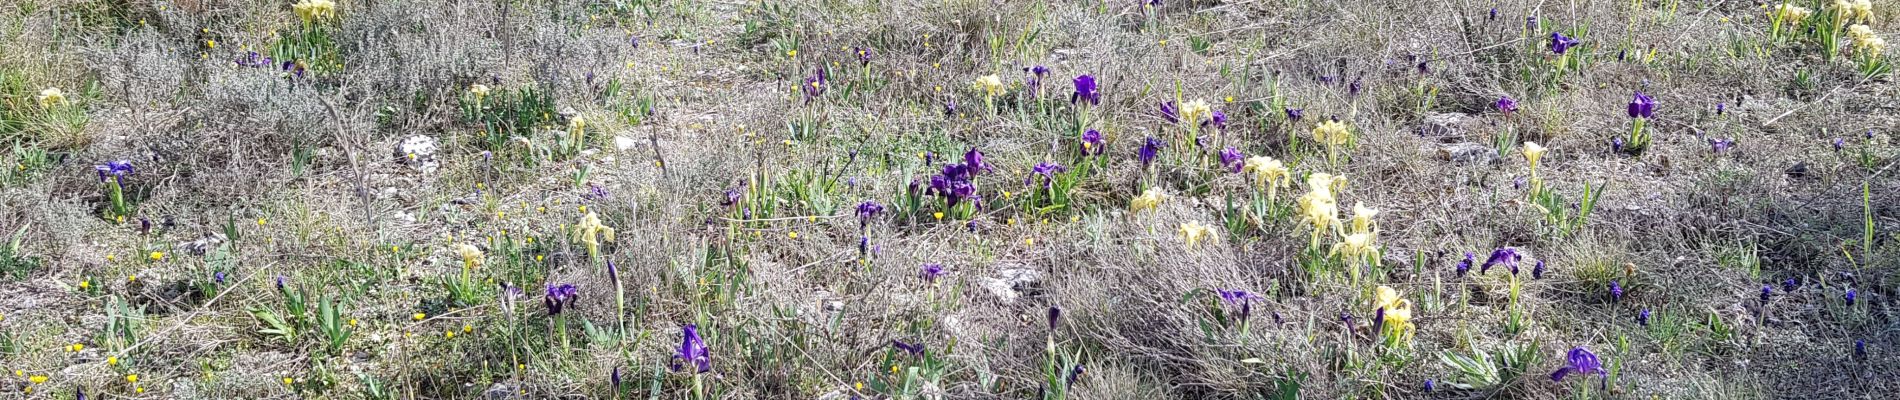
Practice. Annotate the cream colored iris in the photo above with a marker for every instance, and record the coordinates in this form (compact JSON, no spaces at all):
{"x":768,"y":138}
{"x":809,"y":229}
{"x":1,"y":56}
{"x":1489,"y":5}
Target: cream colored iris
{"x":591,"y":232}
{"x":1148,"y":200}
{"x":990,"y":84}
{"x":1194,"y":232}
{"x":1398,"y":312}
{"x":1268,"y":173}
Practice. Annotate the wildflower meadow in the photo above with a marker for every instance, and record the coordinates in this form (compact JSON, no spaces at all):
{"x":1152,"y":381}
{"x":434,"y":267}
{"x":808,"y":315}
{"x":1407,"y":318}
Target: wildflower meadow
{"x":949,"y":199}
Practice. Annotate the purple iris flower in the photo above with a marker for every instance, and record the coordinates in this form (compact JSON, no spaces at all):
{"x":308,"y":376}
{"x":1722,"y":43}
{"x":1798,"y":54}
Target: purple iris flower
{"x":255,"y":60}
{"x":915,"y":350}
{"x":693,"y":349}
{"x":1035,"y":78}
{"x":1219,"y":120}
{"x":1048,"y":171}
{"x":1352,"y":89}
{"x":1505,"y":256}
{"x":930,"y":272}
{"x":1642,"y":106}
{"x":1720,"y":146}
{"x":1643,"y":318}
{"x":815,"y":85}
{"x":1294,"y":115}
{"x":1085,"y":91}
{"x":732,"y":197}
{"x":974,"y":160}
{"x":949,"y":107}
{"x":1093,"y":141}
{"x":1239,"y":299}
{"x":868,"y":210}
{"x":116,"y":169}
{"x":1839,"y":144}
{"x":1538,"y":271}
{"x":1378,"y":318}
{"x":1560,"y":43}
{"x":864,"y":55}
{"x":1506,"y":105}
{"x":1055,"y":316}
{"x":1075,"y":372}
{"x":280,"y":283}
{"x":1465,"y":266}
{"x":559,"y":297}
{"x":595,"y":192}
{"x":1170,"y":113}
{"x":1148,"y":151}
{"x":1233,"y":159}
{"x":1616,"y":144}
{"x":1721,"y":108}
{"x":1494,"y":14}
{"x":615,"y":378}
{"x":1581,"y":361}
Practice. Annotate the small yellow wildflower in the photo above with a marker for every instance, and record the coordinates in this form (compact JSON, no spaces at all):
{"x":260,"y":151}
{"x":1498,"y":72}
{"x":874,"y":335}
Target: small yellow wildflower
{"x":420,"y":316}
{"x":85,"y":284}
{"x":114,"y":360}
{"x":76,"y":347}
{"x":792,"y":234}
{"x":37,"y":379}
{"x":133,"y":378}
{"x":939,"y":215}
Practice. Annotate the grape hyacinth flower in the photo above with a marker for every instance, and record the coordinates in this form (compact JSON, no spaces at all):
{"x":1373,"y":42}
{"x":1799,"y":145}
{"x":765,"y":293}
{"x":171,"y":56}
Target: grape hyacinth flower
{"x":1170,"y":113}
{"x":1085,"y":90}
{"x":1506,"y":105}
{"x":1560,"y":43}
{"x":1850,"y":296}
{"x":1581,"y":361}
{"x":1233,"y":159}
{"x":693,"y":349}
{"x":1643,"y":318}
{"x":1092,"y":142}
{"x":1721,"y":108}
{"x":1538,"y":271}
{"x":1839,"y":144}
{"x":1616,"y":145}
{"x":930,"y":272}
{"x":1294,"y":115}
{"x":1505,"y":256}
{"x":1465,"y":266}
{"x":1788,"y":285}
{"x":1767,"y":290}
{"x":1616,"y":291}
{"x":280,"y":283}
{"x":1860,"y":348}
{"x":1430,"y":386}
{"x":1149,"y":150}
{"x":254,"y":60}
{"x":218,"y":277}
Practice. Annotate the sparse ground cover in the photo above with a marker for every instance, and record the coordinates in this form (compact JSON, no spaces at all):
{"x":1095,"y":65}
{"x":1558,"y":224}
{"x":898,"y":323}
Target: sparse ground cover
{"x":955,"y":199}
